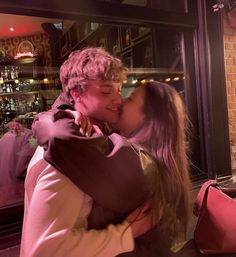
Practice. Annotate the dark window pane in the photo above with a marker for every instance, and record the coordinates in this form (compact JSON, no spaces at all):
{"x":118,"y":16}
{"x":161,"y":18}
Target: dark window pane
{"x":166,"y":5}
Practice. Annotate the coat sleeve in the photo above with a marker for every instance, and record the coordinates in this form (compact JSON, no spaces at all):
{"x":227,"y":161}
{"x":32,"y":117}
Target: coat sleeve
{"x":52,"y":228}
{"x":108,"y":170}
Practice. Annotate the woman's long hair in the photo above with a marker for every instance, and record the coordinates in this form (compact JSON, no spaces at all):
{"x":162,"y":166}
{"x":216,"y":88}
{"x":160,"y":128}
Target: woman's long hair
{"x":163,"y":136}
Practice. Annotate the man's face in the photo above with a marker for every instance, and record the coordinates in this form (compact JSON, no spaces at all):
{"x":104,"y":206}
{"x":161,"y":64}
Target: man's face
{"x":100,"y":101}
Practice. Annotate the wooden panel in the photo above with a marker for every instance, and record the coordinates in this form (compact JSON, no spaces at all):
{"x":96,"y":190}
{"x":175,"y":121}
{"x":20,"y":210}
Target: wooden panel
{"x":97,"y":11}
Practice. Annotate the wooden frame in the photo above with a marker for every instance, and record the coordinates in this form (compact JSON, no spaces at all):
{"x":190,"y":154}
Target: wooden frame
{"x":99,"y":11}
{"x":210,"y":90}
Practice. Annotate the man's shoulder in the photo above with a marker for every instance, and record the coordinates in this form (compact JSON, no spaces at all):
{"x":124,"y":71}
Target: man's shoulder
{"x":44,"y":176}
{"x":41,"y":172}
{"x":38,"y":155}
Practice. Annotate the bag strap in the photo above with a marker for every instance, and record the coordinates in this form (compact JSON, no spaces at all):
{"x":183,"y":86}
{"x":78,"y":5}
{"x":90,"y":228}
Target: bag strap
{"x":200,"y":196}
{"x":229,"y":188}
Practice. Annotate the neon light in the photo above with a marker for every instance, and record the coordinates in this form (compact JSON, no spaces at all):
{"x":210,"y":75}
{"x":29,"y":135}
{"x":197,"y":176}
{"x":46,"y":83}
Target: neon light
{"x":25,"y":54}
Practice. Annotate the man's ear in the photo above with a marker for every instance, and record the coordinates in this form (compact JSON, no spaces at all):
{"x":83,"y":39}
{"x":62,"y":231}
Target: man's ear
{"x":76,"y":95}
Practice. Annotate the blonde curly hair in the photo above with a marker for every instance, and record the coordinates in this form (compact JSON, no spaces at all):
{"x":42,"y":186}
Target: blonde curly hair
{"x":92,"y":63}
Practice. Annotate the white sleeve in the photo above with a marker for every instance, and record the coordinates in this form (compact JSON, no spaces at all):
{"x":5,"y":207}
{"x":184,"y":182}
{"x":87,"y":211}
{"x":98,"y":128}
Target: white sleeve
{"x":50,"y":224}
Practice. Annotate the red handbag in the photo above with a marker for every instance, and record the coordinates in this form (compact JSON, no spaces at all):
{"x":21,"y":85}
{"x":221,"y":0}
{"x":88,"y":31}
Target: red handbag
{"x":215,"y":232}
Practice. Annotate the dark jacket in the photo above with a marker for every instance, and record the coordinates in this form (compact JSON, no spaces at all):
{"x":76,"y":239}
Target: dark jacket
{"x":107,"y":168}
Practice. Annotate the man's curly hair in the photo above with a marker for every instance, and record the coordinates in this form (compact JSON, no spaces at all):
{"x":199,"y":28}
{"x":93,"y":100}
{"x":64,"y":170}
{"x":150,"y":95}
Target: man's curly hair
{"x":92,"y":63}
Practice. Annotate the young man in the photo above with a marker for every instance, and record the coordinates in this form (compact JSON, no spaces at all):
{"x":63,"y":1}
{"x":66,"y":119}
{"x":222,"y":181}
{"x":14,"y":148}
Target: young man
{"x":56,"y":211}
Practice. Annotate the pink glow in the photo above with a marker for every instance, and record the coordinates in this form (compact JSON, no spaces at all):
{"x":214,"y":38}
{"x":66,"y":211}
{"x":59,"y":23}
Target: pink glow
{"x":25,"y":54}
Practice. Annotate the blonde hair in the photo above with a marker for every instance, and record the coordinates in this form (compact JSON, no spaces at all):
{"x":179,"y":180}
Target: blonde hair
{"x":92,"y":63}
{"x":163,"y":136}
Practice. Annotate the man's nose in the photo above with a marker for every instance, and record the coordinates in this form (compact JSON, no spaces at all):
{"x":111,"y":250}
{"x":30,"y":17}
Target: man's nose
{"x":117,"y":98}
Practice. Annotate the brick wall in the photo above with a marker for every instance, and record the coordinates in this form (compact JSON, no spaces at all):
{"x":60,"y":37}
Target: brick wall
{"x":230,"y":69}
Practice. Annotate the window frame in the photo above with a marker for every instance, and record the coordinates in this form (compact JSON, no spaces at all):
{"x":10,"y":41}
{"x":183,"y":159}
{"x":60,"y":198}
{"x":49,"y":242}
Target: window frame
{"x":200,"y":23}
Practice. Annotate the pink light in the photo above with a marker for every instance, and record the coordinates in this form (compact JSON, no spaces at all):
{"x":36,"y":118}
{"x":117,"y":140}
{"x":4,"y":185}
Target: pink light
{"x":11,"y":29}
{"x":25,"y":54}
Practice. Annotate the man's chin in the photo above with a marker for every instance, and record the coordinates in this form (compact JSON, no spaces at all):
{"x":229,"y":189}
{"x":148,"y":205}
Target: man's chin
{"x":114,"y":126}
{"x":113,"y":120}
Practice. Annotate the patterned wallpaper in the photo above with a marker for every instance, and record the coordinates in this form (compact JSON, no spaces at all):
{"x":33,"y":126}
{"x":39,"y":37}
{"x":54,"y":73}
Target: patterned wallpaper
{"x":41,"y":45}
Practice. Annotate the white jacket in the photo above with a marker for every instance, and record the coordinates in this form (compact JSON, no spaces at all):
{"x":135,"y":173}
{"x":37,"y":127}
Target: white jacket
{"x":55,"y":220}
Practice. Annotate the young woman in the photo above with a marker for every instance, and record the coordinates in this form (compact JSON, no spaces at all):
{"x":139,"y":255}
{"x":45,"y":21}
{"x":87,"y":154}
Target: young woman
{"x":154,"y":118}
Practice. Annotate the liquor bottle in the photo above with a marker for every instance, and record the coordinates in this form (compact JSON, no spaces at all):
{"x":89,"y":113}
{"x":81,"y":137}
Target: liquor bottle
{"x":12,"y":73}
{"x":7,"y":105}
{"x":1,"y":77}
{"x":16,"y":72}
{"x":4,"y":88}
{"x":21,"y":106}
{"x":12,"y":104}
{"x":4,"y":123}
{"x":8,"y":90}
{"x":35,"y":104}
{"x":17,"y":87}
{"x":127,"y":37}
{"x":11,"y":88}
{"x":1,"y":104}
{"x":5,"y":73}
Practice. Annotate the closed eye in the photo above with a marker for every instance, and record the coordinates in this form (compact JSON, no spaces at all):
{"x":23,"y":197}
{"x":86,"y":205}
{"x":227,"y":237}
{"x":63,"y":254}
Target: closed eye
{"x":106,"y":92}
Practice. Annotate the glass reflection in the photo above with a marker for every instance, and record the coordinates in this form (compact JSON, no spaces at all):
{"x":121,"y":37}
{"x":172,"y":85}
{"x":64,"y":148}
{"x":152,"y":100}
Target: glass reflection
{"x":29,"y":83}
{"x":17,"y":146}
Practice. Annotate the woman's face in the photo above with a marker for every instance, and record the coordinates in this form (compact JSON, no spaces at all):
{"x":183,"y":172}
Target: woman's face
{"x":132,"y":115}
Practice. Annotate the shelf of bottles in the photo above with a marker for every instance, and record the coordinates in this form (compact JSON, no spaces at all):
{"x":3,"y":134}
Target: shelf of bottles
{"x":23,"y":106}
{"x":11,"y":81}
{"x":20,"y":105}
{"x":19,"y":96}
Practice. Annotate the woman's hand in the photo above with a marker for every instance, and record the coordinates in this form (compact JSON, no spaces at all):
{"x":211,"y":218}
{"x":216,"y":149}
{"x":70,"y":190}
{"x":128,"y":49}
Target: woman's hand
{"x":86,"y":127}
{"x":141,"y":220}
